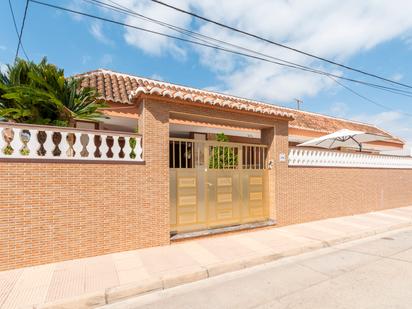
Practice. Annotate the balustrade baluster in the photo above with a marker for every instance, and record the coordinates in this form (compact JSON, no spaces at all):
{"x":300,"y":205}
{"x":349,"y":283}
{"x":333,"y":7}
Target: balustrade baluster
{"x":138,"y":149}
{"x":104,"y":148}
{"x":48,"y":144}
{"x":16,"y":144}
{"x":127,"y":149}
{"x":91,"y":146}
{"x":116,"y":148}
{"x":77,"y":146}
{"x":64,"y":146}
{"x":33,"y":144}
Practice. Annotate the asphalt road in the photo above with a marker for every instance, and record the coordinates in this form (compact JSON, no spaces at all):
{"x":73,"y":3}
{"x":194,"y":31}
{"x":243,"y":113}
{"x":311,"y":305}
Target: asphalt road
{"x":371,"y":273}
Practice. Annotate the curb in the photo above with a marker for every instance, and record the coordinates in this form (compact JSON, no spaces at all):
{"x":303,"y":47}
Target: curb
{"x":122,"y":292}
{"x":92,"y":300}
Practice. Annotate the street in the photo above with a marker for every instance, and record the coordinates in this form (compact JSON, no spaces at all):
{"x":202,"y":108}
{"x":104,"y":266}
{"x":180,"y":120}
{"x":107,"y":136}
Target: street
{"x":375,"y":272}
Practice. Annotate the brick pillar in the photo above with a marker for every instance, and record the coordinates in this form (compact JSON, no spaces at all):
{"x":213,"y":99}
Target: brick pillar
{"x":154,"y":126}
{"x":276,"y":138}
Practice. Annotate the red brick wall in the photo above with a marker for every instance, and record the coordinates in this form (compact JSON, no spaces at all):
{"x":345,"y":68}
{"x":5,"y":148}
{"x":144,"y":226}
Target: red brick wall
{"x":317,"y":193}
{"x":57,"y":211}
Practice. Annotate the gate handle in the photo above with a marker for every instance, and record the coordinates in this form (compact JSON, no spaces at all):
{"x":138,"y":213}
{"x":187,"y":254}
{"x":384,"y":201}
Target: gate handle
{"x":210,"y":184}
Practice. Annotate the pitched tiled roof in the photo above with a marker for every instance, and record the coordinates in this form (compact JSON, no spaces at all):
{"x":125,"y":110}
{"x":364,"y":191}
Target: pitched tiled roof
{"x":123,"y":88}
{"x":327,"y":124}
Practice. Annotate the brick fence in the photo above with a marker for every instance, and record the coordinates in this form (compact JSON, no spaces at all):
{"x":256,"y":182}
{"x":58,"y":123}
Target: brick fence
{"x":58,"y":211}
{"x":314,"y":193}
{"x":54,"y":211}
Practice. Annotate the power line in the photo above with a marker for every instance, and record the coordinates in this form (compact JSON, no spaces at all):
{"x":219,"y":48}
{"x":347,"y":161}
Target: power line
{"x":15,"y":28}
{"x":366,"y":98}
{"x":278,"y":44}
{"x":21,"y":30}
{"x":130,"y":12}
{"x":124,"y":10}
{"x":199,"y":43}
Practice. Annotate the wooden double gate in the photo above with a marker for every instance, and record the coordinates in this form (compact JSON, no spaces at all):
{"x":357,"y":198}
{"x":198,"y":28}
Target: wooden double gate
{"x":216,"y":184}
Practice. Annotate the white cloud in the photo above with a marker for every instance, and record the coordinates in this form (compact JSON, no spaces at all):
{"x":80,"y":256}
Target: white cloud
{"x":157,"y":77}
{"x":106,"y":59}
{"x":2,"y":47}
{"x":86,"y":59}
{"x":75,"y":5}
{"x":339,"y":109}
{"x":407,"y":38}
{"x":329,"y":28}
{"x":397,"y":77}
{"x":392,"y":121}
{"x":154,"y":44}
{"x":96,"y":29}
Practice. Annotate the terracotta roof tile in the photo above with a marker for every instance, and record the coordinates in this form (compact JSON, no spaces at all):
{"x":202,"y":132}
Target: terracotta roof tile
{"x":327,"y":124}
{"x":123,"y":88}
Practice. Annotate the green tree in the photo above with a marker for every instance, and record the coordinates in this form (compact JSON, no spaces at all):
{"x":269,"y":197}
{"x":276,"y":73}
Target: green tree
{"x":14,"y":107}
{"x":40,"y":94}
{"x":222,"y":156}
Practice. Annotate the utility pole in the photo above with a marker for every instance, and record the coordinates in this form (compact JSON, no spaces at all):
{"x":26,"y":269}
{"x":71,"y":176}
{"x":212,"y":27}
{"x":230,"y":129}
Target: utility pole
{"x":298,"y":102}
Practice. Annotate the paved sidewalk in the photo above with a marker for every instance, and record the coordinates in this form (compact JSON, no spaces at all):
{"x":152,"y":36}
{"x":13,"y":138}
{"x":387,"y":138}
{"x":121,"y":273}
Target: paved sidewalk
{"x":92,"y":282}
{"x":372,"y":272}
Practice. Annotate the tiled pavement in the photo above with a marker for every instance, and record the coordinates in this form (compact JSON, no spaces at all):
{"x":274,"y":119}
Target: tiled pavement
{"x":186,"y":261}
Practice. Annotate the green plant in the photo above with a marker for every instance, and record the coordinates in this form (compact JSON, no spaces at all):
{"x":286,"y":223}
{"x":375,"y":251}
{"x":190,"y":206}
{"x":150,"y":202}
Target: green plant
{"x":60,"y":123}
{"x":133,"y":143}
{"x":8,"y":151}
{"x":222,"y":156}
{"x":25,"y":152}
{"x":40,"y":94}
{"x":221,"y":137}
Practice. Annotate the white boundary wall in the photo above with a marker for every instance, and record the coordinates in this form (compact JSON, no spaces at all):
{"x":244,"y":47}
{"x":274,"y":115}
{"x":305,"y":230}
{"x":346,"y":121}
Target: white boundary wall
{"x":19,"y":141}
{"x":305,"y":157}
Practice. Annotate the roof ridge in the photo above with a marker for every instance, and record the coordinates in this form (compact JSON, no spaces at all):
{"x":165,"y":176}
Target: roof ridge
{"x":89,"y":72}
{"x":214,"y":93}
{"x":206,"y":96}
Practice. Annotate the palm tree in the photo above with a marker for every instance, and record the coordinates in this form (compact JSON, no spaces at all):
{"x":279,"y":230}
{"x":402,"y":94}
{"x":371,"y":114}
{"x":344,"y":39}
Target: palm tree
{"x":13,"y":107}
{"x":39,"y":93}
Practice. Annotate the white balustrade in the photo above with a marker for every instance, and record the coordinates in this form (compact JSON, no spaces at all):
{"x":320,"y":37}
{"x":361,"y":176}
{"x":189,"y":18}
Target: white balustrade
{"x":16,"y":143}
{"x":127,"y":149}
{"x":116,"y":148}
{"x":104,"y":148}
{"x":64,"y":145}
{"x":49,"y":145}
{"x":91,"y":146}
{"x":19,"y":141}
{"x":77,"y":146}
{"x":320,"y":158}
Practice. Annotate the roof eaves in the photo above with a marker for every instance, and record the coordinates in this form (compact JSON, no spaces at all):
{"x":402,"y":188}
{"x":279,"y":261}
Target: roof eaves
{"x":208,"y":100}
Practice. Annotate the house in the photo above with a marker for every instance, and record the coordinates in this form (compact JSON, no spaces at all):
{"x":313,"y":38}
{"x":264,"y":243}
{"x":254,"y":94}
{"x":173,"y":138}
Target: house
{"x":102,"y":188}
{"x":122,"y":91}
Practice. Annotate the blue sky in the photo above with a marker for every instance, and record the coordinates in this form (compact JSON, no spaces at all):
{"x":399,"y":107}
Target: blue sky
{"x":375,"y":37}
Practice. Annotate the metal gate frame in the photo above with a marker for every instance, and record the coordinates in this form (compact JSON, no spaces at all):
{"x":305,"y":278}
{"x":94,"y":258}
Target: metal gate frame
{"x":215,"y":184}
